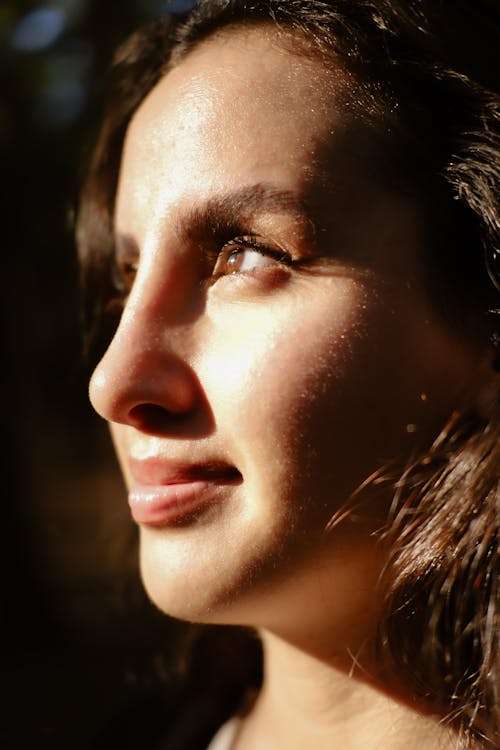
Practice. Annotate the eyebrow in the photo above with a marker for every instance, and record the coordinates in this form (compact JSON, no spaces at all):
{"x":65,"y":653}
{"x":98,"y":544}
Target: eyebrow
{"x":232,"y":210}
{"x":229,"y":212}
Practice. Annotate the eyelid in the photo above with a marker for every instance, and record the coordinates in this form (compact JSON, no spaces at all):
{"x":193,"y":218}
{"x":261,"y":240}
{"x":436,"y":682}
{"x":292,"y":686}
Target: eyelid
{"x":252,"y":242}
{"x":238,"y":246}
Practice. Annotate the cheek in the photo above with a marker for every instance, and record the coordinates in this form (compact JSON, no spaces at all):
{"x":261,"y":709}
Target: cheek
{"x":276,"y":381}
{"x":275,"y":358}
{"x":317,"y":391}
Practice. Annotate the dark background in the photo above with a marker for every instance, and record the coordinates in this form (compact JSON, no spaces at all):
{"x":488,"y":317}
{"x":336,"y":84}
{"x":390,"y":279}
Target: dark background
{"x":82,"y":650}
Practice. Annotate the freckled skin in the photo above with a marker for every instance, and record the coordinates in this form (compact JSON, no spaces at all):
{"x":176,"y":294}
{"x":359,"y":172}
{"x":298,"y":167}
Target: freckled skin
{"x":306,"y":377}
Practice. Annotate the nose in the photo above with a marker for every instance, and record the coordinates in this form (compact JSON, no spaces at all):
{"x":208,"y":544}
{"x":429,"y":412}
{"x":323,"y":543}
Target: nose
{"x":142,"y":380}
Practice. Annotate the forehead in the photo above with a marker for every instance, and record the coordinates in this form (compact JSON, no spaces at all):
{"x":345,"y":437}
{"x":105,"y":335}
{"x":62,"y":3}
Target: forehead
{"x":254,"y":63}
{"x":240,"y":104}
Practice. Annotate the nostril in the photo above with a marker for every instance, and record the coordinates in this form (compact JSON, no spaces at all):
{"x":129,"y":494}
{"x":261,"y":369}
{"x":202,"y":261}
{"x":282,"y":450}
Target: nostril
{"x":154,"y":418}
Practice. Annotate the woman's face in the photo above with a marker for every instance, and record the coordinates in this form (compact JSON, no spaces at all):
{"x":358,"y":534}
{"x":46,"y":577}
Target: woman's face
{"x":276,"y":347}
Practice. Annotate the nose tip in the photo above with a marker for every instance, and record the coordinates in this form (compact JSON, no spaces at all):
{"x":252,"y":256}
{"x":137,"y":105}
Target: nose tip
{"x":136,"y":382}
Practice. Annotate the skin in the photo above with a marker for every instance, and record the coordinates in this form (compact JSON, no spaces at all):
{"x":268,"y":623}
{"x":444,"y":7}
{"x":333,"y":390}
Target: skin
{"x":305,"y":375}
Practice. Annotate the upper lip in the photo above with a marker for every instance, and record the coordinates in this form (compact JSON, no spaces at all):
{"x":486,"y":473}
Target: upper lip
{"x":157,"y":471}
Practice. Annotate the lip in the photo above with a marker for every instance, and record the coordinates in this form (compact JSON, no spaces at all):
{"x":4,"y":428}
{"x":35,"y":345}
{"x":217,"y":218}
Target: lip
{"x":168,"y":493}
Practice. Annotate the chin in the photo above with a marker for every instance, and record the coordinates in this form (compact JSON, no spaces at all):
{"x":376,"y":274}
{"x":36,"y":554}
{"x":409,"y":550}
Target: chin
{"x":185,"y":582}
{"x":192,"y":581}
{"x":275,"y":586}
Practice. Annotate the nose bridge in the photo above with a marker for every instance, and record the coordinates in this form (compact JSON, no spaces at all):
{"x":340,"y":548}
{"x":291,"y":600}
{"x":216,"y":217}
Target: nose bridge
{"x":153,"y":313}
{"x":147,"y":361}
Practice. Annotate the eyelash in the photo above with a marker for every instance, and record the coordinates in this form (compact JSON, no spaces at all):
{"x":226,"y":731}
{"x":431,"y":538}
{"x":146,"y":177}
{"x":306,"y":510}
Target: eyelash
{"x":239,"y":245}
{"x":124,"y":272}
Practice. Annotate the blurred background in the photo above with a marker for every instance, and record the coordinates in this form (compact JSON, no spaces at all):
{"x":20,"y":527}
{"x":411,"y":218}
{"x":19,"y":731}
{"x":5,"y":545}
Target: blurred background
{"x":82,"y":649}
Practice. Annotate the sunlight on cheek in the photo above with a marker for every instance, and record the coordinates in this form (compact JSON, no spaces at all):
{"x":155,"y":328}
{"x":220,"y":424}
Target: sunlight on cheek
{"x":276,"y":360}
{"x":245,"y":362}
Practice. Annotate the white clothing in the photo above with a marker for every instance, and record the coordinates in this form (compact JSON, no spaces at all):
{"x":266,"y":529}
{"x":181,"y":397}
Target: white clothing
{"x":224,"y":738}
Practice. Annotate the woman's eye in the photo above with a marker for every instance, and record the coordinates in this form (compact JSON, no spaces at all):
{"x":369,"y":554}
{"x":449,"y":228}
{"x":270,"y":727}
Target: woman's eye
{"x":244,"y":255}
{"x":125,"y":273}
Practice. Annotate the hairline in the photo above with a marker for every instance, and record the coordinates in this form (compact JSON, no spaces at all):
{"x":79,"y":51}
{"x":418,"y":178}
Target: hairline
{"x":298,"y":41}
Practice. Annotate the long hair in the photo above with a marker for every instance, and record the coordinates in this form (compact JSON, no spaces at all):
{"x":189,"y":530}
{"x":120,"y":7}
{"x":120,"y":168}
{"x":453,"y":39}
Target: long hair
{"x":433,"y":67}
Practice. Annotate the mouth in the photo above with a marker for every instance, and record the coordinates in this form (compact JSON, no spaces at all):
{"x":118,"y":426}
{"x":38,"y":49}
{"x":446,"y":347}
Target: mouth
{"x":166,"y":493}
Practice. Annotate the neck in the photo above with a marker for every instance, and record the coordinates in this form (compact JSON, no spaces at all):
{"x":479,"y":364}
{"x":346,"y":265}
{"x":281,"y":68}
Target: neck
{"x":309,"y":701}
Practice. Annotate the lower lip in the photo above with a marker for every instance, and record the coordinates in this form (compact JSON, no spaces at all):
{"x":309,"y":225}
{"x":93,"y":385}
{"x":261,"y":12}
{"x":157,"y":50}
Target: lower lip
{"x":171,"y":504}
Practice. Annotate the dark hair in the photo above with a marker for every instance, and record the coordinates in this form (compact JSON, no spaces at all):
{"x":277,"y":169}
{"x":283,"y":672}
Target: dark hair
{"x":434,"y":65}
